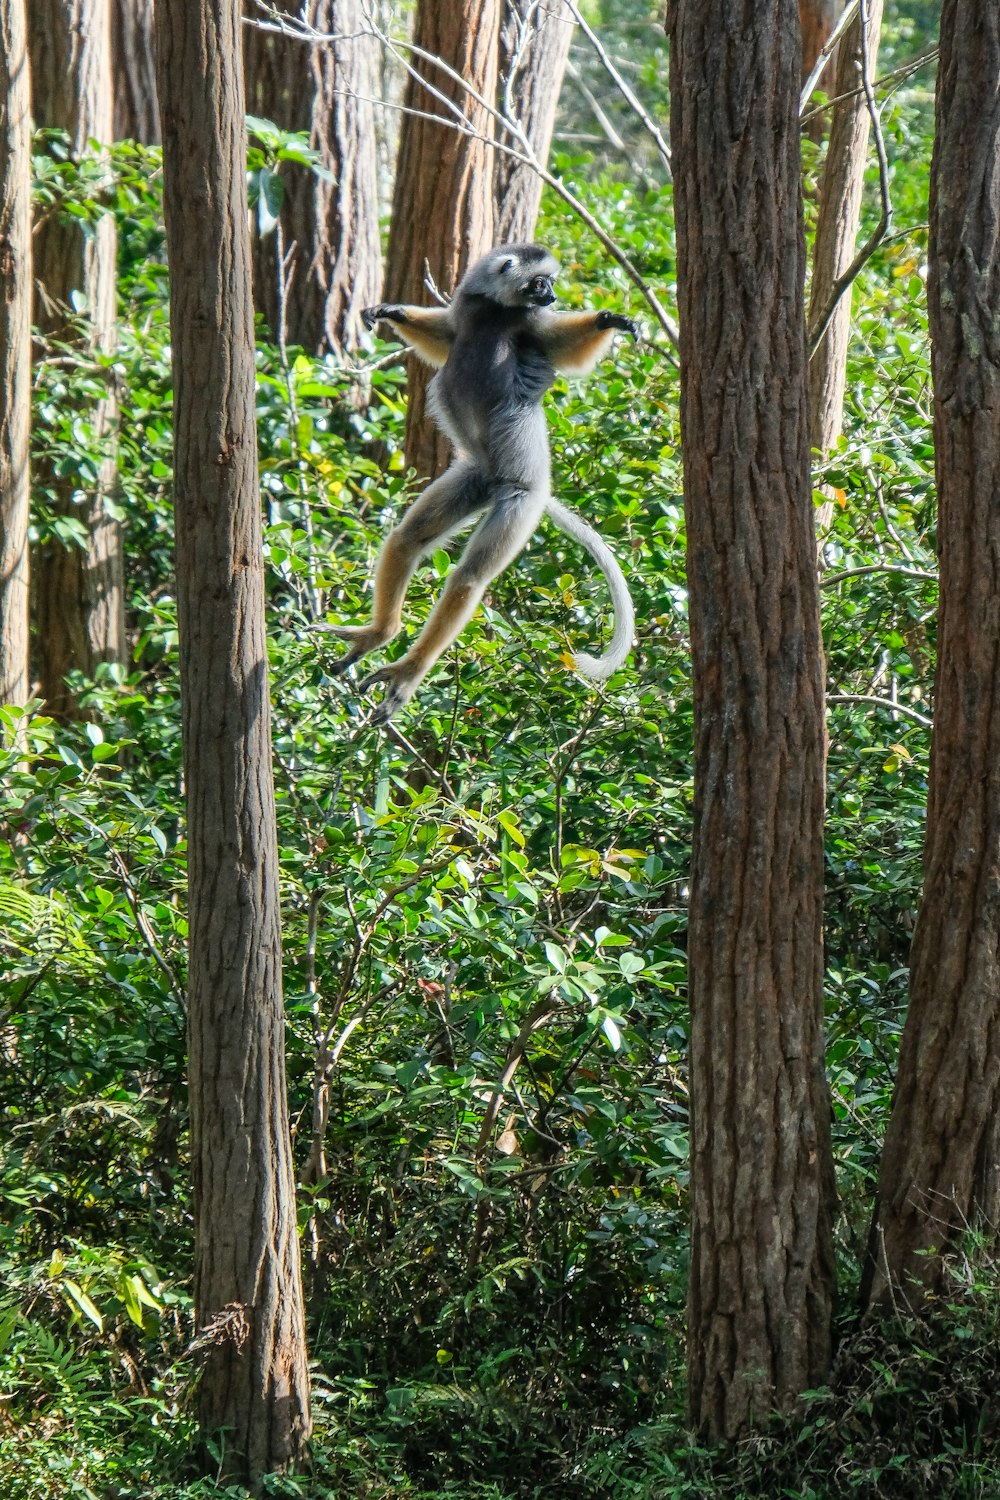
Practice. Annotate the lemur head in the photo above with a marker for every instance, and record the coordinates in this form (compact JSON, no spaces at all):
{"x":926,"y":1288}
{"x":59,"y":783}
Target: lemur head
{"x":513,"y":276}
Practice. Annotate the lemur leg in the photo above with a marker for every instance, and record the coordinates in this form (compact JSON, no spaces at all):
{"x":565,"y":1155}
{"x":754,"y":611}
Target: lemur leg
{"x":443,"y":506}
{"x":497,"y":540}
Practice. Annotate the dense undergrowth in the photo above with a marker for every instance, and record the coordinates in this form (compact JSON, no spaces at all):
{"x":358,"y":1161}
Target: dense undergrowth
{"x":495,"y":1317}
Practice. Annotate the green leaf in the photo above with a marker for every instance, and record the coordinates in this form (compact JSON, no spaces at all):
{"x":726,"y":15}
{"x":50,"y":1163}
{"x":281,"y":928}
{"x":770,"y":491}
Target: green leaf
{"x":83,"y":1302}
{"x":271,"y":190}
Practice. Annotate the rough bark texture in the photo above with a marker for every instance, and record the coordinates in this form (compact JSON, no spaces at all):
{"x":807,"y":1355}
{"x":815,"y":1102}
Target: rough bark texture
{"x":133,"y":58}
{"x":940,"y":1165}
{"x":78,"y":590}
{"x":248,"y":1295}
{"x":534,"y":46}
{"x":762,"y":1177}
{"x":322,"y":91}
{"x":837,"y":229}
{"x":15,"y":349}
{"x":442,"y":209}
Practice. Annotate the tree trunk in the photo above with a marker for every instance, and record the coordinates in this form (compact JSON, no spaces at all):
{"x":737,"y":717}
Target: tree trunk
{"x":78,"y":589}
{"x":837,"y":229}
{"x":818,"y":18}
{"x":940,"y":1166}
{"x":134,"y":63}
{"x":442,"y":208}
{"x":15,"y":349}
{"x":248,"y":1294}
{"x":337,"y":259}
{"x":761,"y":1168}
{"x":534,"y":47}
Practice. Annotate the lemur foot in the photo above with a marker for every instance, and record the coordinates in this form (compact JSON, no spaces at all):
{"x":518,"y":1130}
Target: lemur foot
{"x":363,"y":638}
{"x":402,"y":685}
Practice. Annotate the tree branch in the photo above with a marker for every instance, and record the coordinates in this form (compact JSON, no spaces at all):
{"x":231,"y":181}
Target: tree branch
{"x":886,"y":703}
{"x":822,"y":321}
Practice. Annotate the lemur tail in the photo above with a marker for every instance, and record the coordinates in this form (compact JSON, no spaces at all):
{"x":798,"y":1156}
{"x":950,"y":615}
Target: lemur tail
{"x":600,"y":667}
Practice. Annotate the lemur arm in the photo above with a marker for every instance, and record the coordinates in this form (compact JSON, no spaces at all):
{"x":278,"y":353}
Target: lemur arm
{"x":575,"y":341}
{"x":429,"y":331}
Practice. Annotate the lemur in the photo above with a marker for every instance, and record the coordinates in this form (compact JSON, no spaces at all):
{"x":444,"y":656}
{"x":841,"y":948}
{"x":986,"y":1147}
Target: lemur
{"x":497,"y":347}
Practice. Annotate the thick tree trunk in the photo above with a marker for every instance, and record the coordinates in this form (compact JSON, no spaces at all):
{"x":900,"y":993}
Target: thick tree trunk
{"x":942,"y":1152}
{"x":248,"y":1294}
{"x":442,"y":209}
{"x":78,"y":590}
{"x":837,"y":229}
{"x":15,"y":349}
{"x":761,"y":1169}
{"x":534,"y":47}
{"x":133,"y":60}
{"x":323,"y":91}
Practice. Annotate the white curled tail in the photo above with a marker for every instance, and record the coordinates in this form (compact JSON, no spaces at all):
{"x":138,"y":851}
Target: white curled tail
{"x":600,"y":667}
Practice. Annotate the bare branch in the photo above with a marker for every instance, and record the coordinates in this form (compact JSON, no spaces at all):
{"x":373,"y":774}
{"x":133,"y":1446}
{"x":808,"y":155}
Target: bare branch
{"x":846,"y":17}
{"x":887,"y":703}
{"x":521,"y":151}
{"x":829,"y":580}
{"x":822,"y":321}
{"x":623,"y":86}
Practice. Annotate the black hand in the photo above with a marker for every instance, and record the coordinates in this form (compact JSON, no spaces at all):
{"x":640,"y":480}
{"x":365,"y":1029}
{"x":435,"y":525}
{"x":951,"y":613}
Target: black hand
{"x":618,"y":320}
{"x":371,"y":315}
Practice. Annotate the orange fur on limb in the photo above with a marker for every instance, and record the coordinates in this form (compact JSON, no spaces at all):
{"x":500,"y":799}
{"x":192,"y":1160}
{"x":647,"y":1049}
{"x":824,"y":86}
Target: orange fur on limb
{"x":497,"y":347}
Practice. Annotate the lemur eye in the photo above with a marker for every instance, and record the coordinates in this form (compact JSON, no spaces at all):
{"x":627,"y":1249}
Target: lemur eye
{"x":540,"y":284}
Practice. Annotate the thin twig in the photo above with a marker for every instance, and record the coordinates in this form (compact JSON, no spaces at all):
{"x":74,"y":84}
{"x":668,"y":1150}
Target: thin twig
{"x":521,"y":152}
{"x":822,"y":322}
{"x":884,"y":83}
{"x":624,"y":88}
{"x":846,"y":17}
{"x":830,"y":579}
{"x":536,"y":1017}
{"x":886,"y":703}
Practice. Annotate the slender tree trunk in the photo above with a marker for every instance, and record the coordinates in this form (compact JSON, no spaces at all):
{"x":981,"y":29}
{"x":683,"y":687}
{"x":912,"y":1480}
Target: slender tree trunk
{"x":442,"y":209}
{"x":78,"y":589}
{"x":942,"y":1151}
{"x":15,"y":349}
{"x":761,"y":1171}
{"x":136,"y":117}
{"x":817,"y":18}
{"x":837,"y":229}
{"x":248,"y":1294}
{"x":325,"y":92}
{"x":534,"y":47}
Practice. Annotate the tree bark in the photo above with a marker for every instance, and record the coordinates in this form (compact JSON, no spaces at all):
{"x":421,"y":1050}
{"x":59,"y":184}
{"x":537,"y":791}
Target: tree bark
{"x":78,"y":589}
{"x":248,"y":1294}
{"x":15,"y":349}
{"x":837,"y":229}
{"x":942,"y":1154}
{"x":534,"y":47}
{"x":136,"y":117}
{"x":324,"y":92}
{"x":762,"y":1187}
{"x":817,"y":19}
{"x":442,"y":209}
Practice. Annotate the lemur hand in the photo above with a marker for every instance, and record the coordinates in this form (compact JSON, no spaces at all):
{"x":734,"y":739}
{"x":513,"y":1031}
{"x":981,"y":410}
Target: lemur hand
{"x":607,"y":319}
{"x":372,"y":315}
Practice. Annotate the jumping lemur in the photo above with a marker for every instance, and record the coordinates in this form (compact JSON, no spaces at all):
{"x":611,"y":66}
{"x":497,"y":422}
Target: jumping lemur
{"x":497,"y":347}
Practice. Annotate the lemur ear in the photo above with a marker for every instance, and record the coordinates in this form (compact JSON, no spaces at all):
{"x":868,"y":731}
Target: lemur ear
{"x":507,"y":265}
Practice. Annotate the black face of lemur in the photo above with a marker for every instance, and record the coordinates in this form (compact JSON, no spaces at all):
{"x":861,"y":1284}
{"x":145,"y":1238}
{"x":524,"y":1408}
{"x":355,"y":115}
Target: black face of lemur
{"x":539,"y":291}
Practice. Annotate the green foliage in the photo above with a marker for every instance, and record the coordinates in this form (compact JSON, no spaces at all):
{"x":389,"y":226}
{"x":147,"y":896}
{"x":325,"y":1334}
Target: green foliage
{"x":494,"y":888}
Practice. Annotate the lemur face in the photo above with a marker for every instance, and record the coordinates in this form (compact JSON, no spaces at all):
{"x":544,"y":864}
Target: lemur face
{"x":513,"y":276}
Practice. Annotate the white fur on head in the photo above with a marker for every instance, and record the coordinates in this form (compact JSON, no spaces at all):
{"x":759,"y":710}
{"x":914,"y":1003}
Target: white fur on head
{"x":505,"y":271}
